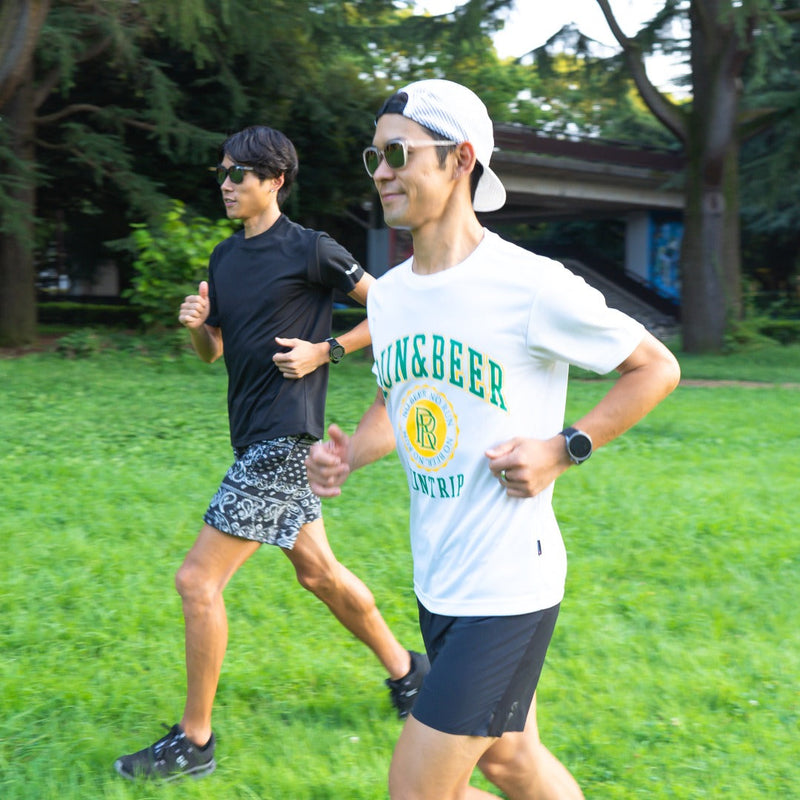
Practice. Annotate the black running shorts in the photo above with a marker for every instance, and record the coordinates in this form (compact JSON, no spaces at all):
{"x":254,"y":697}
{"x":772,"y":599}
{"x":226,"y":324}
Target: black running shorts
{"x":484,"y":671}
{"x":265,"y":496}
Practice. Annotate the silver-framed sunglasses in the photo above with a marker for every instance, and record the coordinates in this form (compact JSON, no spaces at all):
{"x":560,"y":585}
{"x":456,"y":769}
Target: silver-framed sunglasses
{"x":396,"y":153}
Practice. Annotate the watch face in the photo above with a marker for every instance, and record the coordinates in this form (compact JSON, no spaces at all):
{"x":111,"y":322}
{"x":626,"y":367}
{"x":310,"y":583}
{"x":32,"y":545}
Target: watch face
{"x":580,"y":446}
{"x":337,"y":351}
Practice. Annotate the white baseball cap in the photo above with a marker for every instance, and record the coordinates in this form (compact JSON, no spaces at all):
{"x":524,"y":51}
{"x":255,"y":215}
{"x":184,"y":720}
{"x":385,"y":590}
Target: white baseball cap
{"x":458,"y":114}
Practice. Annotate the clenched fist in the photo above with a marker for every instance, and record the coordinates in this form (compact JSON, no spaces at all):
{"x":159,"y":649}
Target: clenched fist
{"x":195,"y":308}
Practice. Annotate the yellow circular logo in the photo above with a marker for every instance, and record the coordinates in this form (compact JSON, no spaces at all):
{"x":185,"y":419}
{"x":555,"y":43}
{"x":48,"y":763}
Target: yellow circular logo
{"x":428,"y":427}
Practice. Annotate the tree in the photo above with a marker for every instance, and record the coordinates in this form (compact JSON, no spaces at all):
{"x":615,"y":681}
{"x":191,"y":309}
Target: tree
{"x":711,"y":128}
{"x":45,"y":45}
{"x":20,"y":25}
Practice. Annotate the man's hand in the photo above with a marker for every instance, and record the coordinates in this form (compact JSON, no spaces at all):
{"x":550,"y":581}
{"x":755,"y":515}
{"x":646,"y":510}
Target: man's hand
{"x":195,"y":308}
{"x":327,"y":463}
{"x":528,"y":466}
{"x":302,"y":358}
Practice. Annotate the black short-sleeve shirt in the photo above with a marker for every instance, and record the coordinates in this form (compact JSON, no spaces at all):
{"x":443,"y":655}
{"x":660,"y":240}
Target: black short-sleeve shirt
{"x":279,"y":283}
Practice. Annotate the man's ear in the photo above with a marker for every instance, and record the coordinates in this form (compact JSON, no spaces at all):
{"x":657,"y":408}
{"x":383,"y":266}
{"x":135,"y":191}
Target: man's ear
{"x":465,"y":158}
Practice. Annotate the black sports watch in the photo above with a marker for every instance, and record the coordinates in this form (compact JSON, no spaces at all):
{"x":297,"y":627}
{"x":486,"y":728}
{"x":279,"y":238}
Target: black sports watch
{"x":579,"y":444}
{"x":337,"y":351}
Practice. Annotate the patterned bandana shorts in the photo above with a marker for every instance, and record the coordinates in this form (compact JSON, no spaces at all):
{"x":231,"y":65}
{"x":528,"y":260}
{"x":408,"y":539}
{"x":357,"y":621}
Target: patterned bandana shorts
{"x":265,"y":496}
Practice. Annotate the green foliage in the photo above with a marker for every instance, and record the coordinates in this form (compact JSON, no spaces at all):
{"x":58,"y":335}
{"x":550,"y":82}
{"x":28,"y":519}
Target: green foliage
{"x":80,"y":344}
{"x":87,"y":314}
{"x":88,"y":342}
{"x":673,"y":669}
{"x":171,"y":259}
{"x":768,"y":318}
{"x":770,"y":204}
{"x":753,"y":332}
{"x":574,"y":90}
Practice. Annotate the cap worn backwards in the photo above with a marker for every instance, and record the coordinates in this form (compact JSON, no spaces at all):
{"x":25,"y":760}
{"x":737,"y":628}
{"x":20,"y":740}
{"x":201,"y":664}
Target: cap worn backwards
{"x":458,"y":114}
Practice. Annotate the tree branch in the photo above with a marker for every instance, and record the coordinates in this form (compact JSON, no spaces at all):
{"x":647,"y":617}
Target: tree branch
{"x":663,"y":109}
{"x":77,"y":108}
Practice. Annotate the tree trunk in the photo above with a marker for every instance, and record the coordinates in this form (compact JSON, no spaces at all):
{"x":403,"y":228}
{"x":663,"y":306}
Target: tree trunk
{"x":710,"y":259}
{"x":17,"y":276}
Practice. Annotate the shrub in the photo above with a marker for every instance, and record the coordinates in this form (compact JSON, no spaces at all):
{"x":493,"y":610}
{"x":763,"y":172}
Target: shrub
{"x":68,"y":312}
{"x":171,"y":260}
{"x":81,"y":343}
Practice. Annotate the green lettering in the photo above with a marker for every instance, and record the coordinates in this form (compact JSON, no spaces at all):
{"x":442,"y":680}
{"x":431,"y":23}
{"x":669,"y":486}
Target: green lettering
{"x":496,"y":372}
{"x":476,"y":373}
{"x":383,"y":367}
{"x":456,"y":375}
{"x":437,"y":357}
{"x":418,"y":369}
{"x":401,"y":360}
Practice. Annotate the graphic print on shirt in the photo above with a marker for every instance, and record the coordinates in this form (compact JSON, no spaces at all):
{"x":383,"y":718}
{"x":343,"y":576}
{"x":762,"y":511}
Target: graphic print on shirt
{"x":429,"y":429}
{"x":424,"y":367}
{"x":428,"y":432}
{"x":444,"y":359}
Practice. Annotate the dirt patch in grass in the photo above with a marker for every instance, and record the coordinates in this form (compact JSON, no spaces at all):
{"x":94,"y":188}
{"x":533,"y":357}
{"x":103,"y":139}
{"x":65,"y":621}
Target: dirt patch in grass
{"x":42,"y":344}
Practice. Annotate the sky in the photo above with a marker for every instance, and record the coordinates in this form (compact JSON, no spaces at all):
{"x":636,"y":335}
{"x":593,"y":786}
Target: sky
{"x":532,"y":22}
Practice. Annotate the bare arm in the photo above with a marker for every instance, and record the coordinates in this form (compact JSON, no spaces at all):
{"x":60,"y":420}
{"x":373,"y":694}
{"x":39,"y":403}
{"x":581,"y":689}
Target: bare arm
{"x":647,"y":376}
{"x":304,"y":357}
{"x":206,"y":339}
{"x":330,"y":463}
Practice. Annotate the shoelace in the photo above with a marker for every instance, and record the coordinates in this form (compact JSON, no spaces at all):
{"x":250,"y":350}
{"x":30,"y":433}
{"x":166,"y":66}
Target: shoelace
{"x":170,"y":740}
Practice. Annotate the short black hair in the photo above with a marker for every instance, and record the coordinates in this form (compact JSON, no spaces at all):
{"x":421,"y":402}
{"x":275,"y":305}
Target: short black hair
{"x":269,"y":151}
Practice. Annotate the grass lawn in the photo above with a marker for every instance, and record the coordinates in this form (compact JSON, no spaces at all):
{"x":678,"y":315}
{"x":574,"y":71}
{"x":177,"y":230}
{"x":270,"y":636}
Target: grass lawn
{"x":672,"y":673}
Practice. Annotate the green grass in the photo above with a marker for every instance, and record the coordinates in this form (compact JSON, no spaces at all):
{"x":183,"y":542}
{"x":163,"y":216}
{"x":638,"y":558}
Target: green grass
{"x":672,"y":673}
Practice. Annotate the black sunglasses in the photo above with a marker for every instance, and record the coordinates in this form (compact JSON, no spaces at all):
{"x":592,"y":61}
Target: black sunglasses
{"x":235,"y":172}
{"x":395,"y":152}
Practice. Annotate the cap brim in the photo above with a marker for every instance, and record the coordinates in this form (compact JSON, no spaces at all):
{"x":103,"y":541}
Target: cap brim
{"x":490,"y":194}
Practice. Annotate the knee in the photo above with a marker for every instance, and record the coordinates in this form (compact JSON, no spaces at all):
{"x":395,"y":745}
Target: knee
{"x":499,"y":770}
{"x":194,"y":586}
{"x":318,"y":579}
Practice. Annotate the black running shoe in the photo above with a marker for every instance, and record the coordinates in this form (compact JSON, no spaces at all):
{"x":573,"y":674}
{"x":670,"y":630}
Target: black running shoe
{"x":171,"y":757}
{"x":404,"y":691}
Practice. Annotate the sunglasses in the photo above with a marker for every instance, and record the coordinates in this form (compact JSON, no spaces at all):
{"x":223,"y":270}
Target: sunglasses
{"x":395,"y":153}
{"x":235,"y":172}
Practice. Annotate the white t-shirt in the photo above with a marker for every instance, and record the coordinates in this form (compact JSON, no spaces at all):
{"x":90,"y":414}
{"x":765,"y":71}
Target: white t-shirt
{"x":468,"y":358}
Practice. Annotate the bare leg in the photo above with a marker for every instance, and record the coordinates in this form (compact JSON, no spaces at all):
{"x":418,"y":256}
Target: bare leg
{"x":348,"y":598}
{"x":430,"y":765}
{"x":200,"y":581}
{"x":524,"y":769}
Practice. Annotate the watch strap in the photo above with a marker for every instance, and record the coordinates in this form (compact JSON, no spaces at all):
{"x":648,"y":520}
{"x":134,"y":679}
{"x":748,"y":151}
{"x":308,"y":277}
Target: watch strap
{"x":337,"y":351}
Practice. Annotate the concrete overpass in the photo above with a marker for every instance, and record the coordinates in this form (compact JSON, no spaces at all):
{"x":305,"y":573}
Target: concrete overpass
{"x":551,"y":178}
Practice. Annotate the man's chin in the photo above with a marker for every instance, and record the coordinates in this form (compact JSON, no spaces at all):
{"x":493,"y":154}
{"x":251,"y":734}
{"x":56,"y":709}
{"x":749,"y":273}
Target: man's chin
{"x":396,"y":221}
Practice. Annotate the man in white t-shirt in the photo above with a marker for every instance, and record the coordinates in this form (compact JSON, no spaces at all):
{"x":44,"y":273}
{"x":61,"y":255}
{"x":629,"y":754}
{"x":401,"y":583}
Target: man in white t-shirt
{"x":473,"y":338}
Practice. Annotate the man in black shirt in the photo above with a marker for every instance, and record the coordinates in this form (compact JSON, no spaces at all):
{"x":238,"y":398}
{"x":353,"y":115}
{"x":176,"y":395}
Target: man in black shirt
{"x":269,"y":296}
